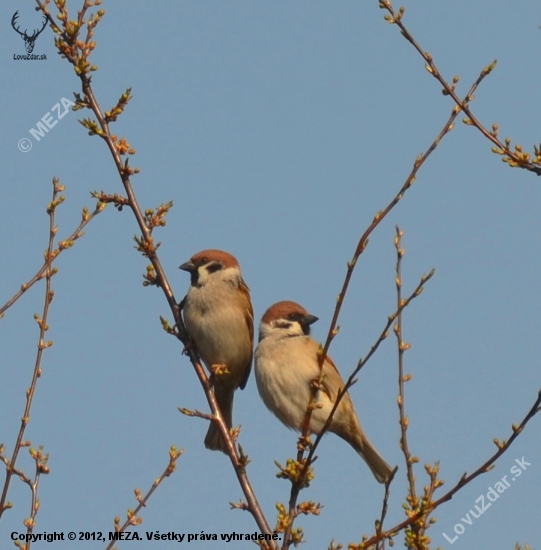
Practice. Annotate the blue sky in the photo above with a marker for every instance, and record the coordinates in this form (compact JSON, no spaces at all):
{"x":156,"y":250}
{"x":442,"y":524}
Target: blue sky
{"x":278,"y":130}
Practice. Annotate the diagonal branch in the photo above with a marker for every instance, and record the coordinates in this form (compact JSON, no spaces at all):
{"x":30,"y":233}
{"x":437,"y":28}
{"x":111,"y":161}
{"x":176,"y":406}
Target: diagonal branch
{"x":378,"y":218}
{"x":363,"y":242}
{"x":515,"y":158}
{"x":133,"y":518}
{"x":77,"y":52}
{"x":62,"y":245}
{"x":463,"y":481}
{"x":362,"y":362}
{"x":333,"y":328}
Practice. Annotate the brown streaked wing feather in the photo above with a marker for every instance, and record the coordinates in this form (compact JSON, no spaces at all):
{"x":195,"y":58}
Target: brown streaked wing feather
{"x":249,"y":318}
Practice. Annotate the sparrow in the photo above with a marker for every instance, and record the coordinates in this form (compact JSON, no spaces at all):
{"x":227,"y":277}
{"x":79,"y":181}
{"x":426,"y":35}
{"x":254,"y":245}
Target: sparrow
{"x":219,"y":317}
{"x":286,"y":364}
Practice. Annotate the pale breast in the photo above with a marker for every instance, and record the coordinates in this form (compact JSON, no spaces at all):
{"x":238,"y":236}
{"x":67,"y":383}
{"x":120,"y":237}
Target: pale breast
{"x":219,"y":330}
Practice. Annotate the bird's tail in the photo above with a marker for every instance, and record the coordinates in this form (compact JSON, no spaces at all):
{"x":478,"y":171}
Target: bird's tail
{"x":381,"y":470}
{"x":214,"y":440}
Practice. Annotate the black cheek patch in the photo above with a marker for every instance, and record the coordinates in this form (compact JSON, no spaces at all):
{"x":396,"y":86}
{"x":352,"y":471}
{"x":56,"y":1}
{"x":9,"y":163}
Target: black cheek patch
{"x":213,"y":267}
{"x":282,"y":324}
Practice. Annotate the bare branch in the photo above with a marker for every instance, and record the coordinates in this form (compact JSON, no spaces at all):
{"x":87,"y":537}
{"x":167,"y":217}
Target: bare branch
{"x":49,"y":272}
{"x":62,"y":245}
{"x":361,"y":245}
{"x":404,"y":421}
{"x":304,"y":440}
{"x":362,"y":362}
{"x":40,"y":460}
{"x":516,"y":158}
{"x":463,"y":481}
{"x":384,"y":509}
{"x":133,"y":519}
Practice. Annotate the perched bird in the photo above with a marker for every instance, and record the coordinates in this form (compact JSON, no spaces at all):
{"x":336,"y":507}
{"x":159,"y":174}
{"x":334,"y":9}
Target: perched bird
{"x":219,"y":317}
{"x":286,"y":363}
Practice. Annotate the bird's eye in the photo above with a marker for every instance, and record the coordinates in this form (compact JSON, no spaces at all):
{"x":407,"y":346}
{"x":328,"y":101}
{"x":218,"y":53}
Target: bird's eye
{"x":204,"y":260}
{"x":292,"y":316}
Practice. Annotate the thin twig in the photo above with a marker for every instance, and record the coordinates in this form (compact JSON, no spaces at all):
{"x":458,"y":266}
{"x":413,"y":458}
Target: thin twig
{"x":516,"y":158}
{"x":464,"y":480}
{"x":62,"y":245}
{"x":40,"y":460}
{"x":42,"y":344}
{"x":415,"y":536}
{"x":133,"y":518}
{"x":384,"y":509}
{"x":362,"y":362}
{"x":363,"y":242}
{"x":404,"y":421}
{"x":196,"y":414}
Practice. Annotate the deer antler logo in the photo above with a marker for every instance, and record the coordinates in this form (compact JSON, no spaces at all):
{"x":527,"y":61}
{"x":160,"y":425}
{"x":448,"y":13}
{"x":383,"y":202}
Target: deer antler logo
{"x":29,"y":41}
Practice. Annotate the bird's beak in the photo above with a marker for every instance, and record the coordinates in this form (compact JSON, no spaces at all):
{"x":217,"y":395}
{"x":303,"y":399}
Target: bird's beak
{"x":310,"y":319}
{"x":188,"y":266}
